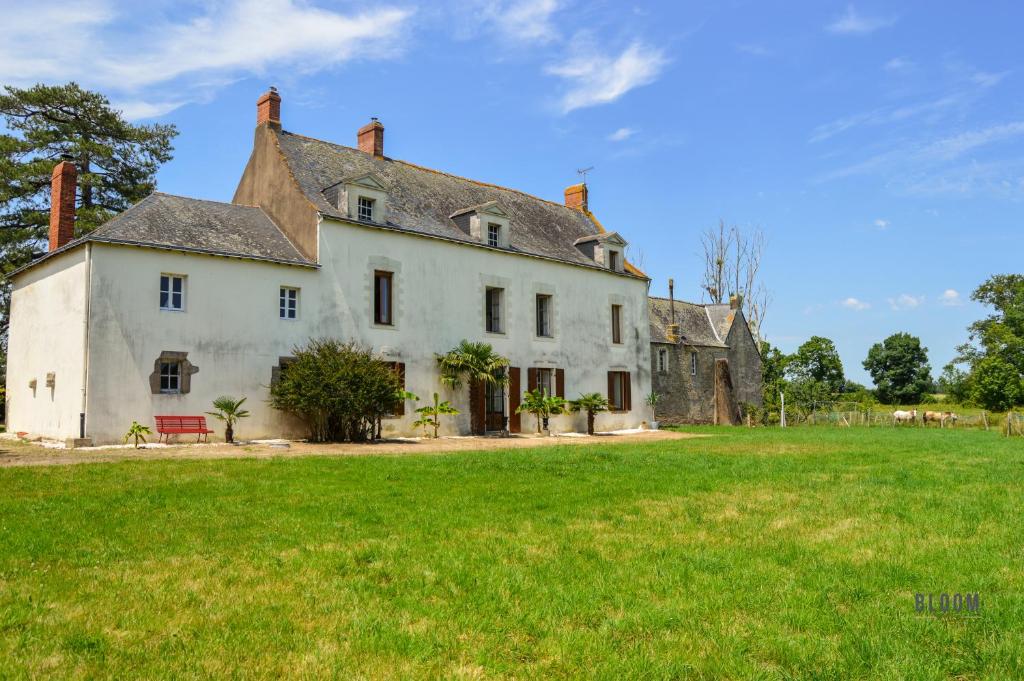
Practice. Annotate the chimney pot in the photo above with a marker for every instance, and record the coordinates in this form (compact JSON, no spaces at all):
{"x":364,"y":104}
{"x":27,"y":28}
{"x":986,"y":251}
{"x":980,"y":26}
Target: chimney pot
{"x":576,"y":196}
{"x":268,"y":108}
{"x":371,"y":138}
{"x":63,"y":184}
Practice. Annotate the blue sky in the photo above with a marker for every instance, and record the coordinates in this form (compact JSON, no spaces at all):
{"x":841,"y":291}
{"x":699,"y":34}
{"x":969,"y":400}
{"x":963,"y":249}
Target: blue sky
{"x":880,"y":146}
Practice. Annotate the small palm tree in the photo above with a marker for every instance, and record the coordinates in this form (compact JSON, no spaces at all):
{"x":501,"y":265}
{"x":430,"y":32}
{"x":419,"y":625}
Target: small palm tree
{"x":592,"y":403}
{"x":137,"y":431}
{"x":542,"y":406}
{"x":229,"y":410}
{"x":475,"y":363}
{"x":432,"y":414}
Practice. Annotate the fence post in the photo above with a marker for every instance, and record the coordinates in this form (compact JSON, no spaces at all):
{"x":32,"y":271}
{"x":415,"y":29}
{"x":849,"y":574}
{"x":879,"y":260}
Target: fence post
{"x":782,"y":421}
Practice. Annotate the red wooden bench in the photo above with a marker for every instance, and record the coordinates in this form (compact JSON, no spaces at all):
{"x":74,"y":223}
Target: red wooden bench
{"x":176,"y":425}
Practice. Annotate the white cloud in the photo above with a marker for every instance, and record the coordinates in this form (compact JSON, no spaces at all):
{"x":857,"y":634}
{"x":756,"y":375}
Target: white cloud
{"x":597,"y":78}
{"x":854,"y":23}
{"x":881,"y":224}
{"x":621,"y":135}
{"x":899,"y":65}
{"x":523,"y":20}
{"x":958,"y":145}
{"x":855,"y":304}
{"x":951,"y":298}
{"x":755,"y":49}
{"x":905,"y":301}
{"x":151,"y":63}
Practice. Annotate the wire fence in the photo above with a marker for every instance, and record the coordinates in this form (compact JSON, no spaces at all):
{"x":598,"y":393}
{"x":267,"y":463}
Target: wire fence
{"x":856,"y":414}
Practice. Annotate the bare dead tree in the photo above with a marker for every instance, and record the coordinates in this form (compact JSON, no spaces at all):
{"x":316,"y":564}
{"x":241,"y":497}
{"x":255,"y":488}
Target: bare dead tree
{"x":732,"y":265}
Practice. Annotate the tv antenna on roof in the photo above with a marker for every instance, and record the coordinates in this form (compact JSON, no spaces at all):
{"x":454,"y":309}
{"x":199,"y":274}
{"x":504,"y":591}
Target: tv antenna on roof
{"x":583,"y":172}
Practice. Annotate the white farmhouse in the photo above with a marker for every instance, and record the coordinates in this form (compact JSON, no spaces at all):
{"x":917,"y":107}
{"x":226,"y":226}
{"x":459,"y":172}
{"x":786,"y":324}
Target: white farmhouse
{"x":177,"y":301}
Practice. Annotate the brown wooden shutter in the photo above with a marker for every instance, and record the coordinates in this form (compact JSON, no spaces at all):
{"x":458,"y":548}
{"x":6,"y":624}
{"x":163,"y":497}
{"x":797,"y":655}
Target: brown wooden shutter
{"x":560,"y":383}
{"x":611,"y":390}
{"x":531,"y":379}
{"x":515,"y":393}
{"x":477,"y":408}
{"x":627,"y":390}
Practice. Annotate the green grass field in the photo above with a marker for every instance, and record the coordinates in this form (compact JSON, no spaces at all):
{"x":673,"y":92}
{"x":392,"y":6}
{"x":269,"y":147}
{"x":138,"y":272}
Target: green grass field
{"x":753,"y":554}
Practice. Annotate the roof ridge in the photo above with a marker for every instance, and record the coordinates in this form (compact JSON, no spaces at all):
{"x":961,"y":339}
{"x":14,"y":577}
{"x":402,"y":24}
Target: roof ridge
{"x":441,"y":172}
{"x":680,"y":300}
{"x":193,"y":198}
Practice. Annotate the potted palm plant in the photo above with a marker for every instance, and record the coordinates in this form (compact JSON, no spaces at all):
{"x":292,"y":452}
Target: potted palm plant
{"x":592,"y":403}
{"x":229,"y":410}
{"x":652,"y":400}
{"x":542,"y":406}
{"x":476,"y":363}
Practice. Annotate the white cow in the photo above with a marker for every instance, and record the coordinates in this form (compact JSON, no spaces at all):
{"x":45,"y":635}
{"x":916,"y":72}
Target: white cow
{"x":900,"y":416}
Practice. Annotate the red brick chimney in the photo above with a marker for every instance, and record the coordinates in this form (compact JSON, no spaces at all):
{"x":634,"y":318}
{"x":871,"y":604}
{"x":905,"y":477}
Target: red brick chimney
{"x":576,"y":196}
{"x":62,"y":204}
{"x":371,"y":138}
{"x":268,"y":108}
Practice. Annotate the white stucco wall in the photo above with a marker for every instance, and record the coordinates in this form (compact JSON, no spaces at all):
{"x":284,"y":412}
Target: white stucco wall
{"x":46,"y":335}
{"x":231,"y":329}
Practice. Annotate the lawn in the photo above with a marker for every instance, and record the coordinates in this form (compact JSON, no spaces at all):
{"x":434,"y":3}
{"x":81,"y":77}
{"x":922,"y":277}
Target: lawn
{"x":752,"y":554}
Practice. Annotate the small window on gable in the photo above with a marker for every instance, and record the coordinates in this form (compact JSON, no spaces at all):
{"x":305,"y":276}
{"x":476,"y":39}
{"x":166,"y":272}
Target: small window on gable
{"x":544,"y":315}
{"x":616,"y":323}
{"x":172,"y":292}
{"x":693,"y":363}
{"x":493,"y":312}
{"x":365,"y":207}
{"x":170,"y":378}
{"x":662,"y":360}
{"x":493,"y":235}
{"x":382,"y":298}
{"x":288,"y":307}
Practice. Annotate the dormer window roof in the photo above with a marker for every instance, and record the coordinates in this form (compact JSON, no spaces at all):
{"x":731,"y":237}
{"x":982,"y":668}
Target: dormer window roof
{"x":606,"y":249}
{"x":363,"y":197}
{"x":487,"y":223}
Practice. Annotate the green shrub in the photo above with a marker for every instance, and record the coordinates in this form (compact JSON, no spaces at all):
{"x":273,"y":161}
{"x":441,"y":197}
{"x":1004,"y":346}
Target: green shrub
{"x":338,"y":389}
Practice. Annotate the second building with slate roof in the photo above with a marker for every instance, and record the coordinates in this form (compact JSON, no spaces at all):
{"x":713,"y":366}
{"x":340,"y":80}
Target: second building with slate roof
{"x":177,"y":301}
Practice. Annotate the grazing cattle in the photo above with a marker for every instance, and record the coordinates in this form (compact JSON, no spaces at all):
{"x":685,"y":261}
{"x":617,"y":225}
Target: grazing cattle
{"x":900,"y":416}
{"x":940,"y":417}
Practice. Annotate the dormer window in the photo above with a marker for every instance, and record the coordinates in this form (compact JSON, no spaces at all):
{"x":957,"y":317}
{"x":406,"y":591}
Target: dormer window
{"x":366,"y":208}
{"x":486,"y":223}
{"x":605,"y":249}
{"x":613,"y":260}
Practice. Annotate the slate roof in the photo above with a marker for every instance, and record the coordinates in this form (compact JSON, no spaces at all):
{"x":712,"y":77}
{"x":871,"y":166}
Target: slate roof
{"x":696,"y":326}
{"x":195,"y":225}
{"x":423,"y":201}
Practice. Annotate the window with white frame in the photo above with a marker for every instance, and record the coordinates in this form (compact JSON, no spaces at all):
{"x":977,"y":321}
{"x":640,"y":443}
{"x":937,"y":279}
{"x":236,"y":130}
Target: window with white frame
{"x":546,"y":381}
{"x":662,"y":360}
{"x":365,"y":207}
{"x":289,"y":303}
{"x":494,"y":313}
{"x":172,"y":292}
{"x":544,"y":315}
{"x":493,"y":234}
{"x":170,"y":378}
{"x":693,"y":363}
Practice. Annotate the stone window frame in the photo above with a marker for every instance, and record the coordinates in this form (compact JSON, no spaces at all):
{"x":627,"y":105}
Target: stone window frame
{"x":693,"y":362}
{"x":494,"y":234}
{"x":662,"y":360}
{"x":365,"y":208}
{"x":505,"y":284}
{"x":185,"y":371}
{"x":381,"y":263}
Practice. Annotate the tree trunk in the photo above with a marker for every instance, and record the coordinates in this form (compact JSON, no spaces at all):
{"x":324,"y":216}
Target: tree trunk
{"x":229,"y":434}
{"x":590,"y":423}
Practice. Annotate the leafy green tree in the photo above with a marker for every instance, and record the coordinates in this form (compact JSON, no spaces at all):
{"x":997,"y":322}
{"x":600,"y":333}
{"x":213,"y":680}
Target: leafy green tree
{"x":955,"y":384}
{"x":773,"y":381}
{"x":817,"y":360}
{"x":430,"y":415}
{"x":899,"y":367}
{"x":996,"y":384}
{"x":541,"y":405}
{"x":338,"y":389}
{"x":116,"y":161}
{"x":994,"y":354}
{"x":593,"y":404}
{"x":229,"y":410}
{"x":476,"y":363}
